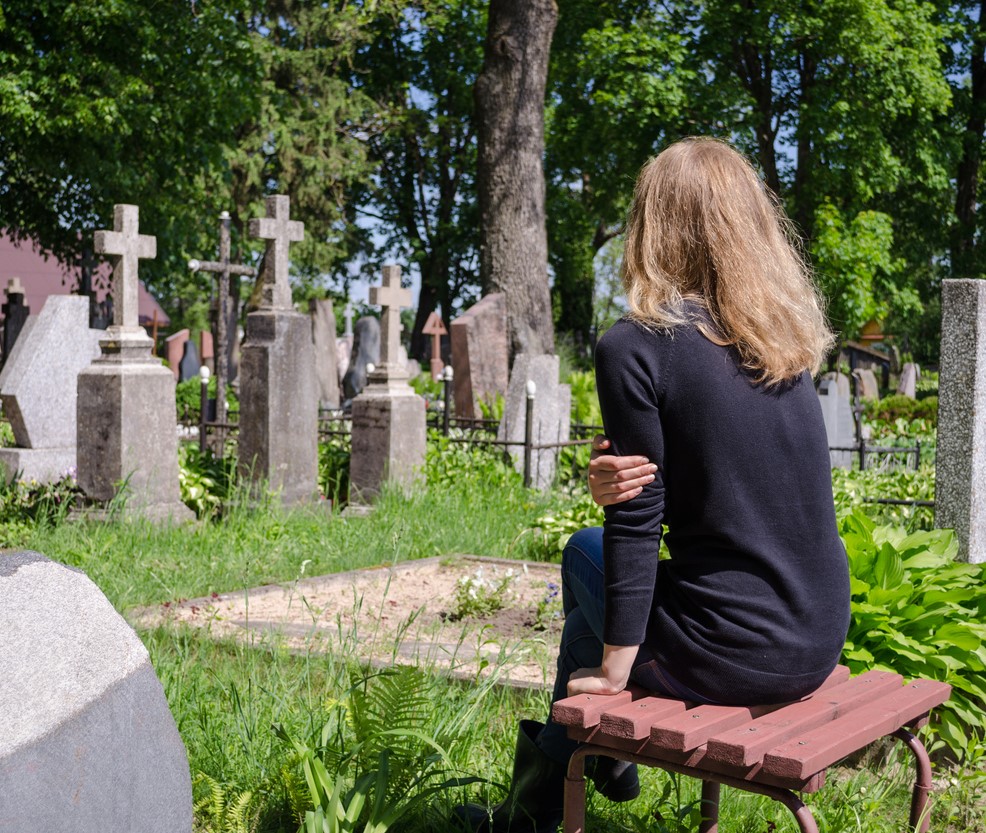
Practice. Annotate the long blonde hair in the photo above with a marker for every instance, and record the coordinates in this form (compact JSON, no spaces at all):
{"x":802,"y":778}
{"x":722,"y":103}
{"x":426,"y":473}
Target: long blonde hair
{"x":703,"y":227}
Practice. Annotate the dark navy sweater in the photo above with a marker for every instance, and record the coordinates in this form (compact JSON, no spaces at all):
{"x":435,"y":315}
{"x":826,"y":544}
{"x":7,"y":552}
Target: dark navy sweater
{"x":753,"y":605}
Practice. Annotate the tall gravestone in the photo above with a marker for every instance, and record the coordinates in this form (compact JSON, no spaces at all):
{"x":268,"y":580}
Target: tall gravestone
{"x":15,"y":315}
{"x":87,"y":742}
{"x":126,"y":423}
{"x":960,"y":467}
{"x":480,"y":358}
{"x":908,"y":383}
{"x":39,"y":386}
{"x":324,"y":342}
{"x":188,"y":366}
{"x":389,"y":430}
{"x":278,"y":445}
{"x":839,"y":423}
{"x":552,"y":415}
{"x":365,"y":352}
{"x":344,"y":344}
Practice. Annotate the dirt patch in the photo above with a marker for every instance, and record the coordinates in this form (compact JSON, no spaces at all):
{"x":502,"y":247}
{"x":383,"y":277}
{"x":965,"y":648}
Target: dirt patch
{"x":401,"y":614}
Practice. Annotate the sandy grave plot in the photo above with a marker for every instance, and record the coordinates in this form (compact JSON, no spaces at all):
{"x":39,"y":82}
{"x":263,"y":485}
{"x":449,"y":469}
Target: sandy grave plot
{"x":399,"y":614}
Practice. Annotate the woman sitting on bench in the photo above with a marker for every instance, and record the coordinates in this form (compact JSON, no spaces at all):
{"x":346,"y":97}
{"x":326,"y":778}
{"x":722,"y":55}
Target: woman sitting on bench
{"x":716,"y":433}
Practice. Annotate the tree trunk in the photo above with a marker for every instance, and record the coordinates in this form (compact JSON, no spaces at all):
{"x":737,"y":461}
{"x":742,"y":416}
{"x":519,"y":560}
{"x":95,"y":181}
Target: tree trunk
{"x":510,"y":177}
{"x":967,"y":176}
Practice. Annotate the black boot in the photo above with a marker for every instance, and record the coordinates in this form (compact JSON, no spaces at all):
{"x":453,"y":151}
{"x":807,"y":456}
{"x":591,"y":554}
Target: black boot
{"x":616,"y":780}
{"x":537,"y":789}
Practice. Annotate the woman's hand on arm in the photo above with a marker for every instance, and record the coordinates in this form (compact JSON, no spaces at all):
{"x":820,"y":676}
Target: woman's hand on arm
{"x":614,"y":479}
{"x":609,"y":678}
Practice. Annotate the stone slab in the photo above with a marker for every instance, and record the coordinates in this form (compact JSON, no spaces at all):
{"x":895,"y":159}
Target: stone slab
{"x":839,"y":424}
{"x":960,"y":461}
{"x":174,"y":348}
{"x":127,"y":434}
{"x":87,"y":742}
{"x":278,"y":444}
{"x":46,"y":465}
{"x":908,"y":383}
{"x":326,"y":354}
{"x":42,"y":370}
{"x":389,"y":438}
{"x":867,"y":384}
{"x":552,"y":415}
{"x":365,"y":351}
{"x":480,"y":358}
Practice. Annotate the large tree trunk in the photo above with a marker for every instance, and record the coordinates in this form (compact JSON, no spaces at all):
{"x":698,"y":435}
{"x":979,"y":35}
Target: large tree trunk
{"x":510,"y":177}
{"x":967,"y":176}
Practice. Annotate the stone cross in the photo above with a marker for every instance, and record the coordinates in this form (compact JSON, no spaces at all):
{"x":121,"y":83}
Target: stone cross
{"x":435,"y":328}
{"x":223,"y":269}
{"x":391,"y":296}
{"x":15,"y":287}
{"x":125,"y":246}
{"x":281,"y":231}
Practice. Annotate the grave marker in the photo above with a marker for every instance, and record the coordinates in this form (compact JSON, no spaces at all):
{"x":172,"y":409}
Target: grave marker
{"x":15,"y":315}
{"x":87,"y":742}
{"x":908,"y":384}
{"x":435,"y":328}
{"x":126,"y":422}
{"x":479,"y":355}
{"x":324,"y":343}
{"x":839,"y":423}
{"x":389,"y":430}
{"x":960,"y":467}
{"x":39,"y":387}
{"x":278,"y":444}
{"x":226,"y":314}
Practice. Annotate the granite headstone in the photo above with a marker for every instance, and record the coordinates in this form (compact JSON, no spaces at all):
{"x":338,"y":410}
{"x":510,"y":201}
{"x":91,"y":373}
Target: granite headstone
{"x":867,"y":383}
{"x":324,"y":343}
{"x":551,"y":418}
{"x":366,"y":351}
{"x":839,"y":423}
{"x":960,"y":461}
{"x":87,"y":742}
{"x":39,"y":386}
{"x":188,"y":367}
{"x":908,"y":383}
{"x":480,"y":359}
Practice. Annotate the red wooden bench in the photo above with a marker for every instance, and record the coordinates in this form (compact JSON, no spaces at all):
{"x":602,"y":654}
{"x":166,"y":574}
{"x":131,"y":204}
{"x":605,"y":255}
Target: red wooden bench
{"x":770,"y":750}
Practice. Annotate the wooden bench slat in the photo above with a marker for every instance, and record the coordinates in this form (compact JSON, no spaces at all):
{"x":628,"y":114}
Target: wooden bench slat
{"x":694,"y":727}
{"x":746,"y":744}
{"x":584,"y":710}
{"x":634,"y":720}
{"x":804,"y":755}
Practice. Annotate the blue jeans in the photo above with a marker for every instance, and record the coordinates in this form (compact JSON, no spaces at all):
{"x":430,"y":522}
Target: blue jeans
{"x":582,"y":637}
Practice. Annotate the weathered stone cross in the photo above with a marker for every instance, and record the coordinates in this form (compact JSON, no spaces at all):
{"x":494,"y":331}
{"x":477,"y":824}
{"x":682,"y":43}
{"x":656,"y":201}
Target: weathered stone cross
{"x":125,"y":246}
{"x":391,"y":297}
{"x":223,"y":269}
{"x":281,"y":231}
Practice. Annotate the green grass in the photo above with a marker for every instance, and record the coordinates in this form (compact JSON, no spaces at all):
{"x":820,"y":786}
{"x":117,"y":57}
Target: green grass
{"x":227,"y":697}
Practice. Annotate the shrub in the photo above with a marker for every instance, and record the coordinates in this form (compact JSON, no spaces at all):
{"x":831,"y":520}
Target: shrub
{"x":188,"y":398}
{"x":918,"y":612}
{"x":333,"y":469}
{"x":204,"y":480}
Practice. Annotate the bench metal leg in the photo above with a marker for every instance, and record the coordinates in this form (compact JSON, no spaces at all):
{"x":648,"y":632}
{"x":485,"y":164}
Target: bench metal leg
{"x":575,"y":792}
{"x":710,"y":807}
{"x":920,"y":797}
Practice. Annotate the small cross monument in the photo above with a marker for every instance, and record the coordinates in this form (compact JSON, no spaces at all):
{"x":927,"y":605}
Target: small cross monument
{"x":391,"y":296}
{"x":126,"y":247}
{"x":280,"y":232}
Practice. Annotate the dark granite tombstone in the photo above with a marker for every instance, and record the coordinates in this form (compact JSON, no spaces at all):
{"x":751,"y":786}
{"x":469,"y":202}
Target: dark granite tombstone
{"x":15,"y":313}
{"x":188,"y":367}
{"x":366,"y":350}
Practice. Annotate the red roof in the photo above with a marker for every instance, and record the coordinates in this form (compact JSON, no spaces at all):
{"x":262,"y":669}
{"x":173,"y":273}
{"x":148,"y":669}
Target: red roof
{"x":43,"y":275}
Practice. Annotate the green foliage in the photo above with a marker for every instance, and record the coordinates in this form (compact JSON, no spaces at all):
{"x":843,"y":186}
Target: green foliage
{"x":551,"y":532}
{"x":852,"y":486}
{"x":457,"y":465}
{"x":917,"y":611}
{"x":585,"y":402}
{"x":188,"y":398}
{"x":222,"y":809}
{"x":333,"y":469}
{"x":27,"y":505}
{"x":858,"y":269}
{"x":491,"y":406}
{"x":548,"y":607}
{"x":892,"y":408}
{"x":6,"y":435}
{"x":204,"y":480}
